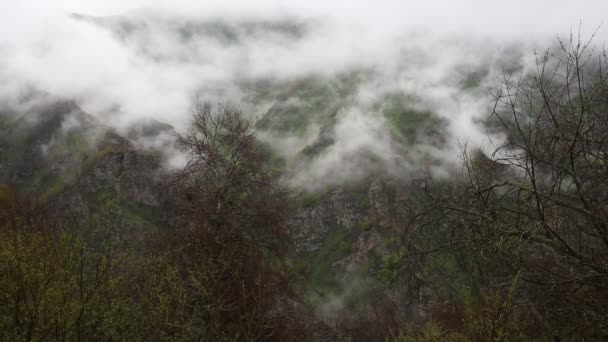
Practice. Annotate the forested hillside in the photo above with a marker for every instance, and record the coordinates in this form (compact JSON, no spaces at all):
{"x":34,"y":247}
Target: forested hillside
{"x":420,"y":197}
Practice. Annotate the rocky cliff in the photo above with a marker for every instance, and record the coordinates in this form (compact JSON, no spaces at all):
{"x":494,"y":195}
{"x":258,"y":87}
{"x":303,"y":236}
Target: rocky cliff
{"x":347,"y":240}
{"x":68,"y":161}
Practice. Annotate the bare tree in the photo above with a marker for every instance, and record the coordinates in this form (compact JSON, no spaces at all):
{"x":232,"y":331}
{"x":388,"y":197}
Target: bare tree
{"x":226,"y":184}
{"x":538,"y":208}
{"x":232,"y":225}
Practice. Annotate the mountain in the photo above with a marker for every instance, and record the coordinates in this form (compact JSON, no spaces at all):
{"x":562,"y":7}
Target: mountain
{"x":344,"y":238}
{"x":351,"y":147}
{"x":289,"y":178}
{"x":66,"y":159}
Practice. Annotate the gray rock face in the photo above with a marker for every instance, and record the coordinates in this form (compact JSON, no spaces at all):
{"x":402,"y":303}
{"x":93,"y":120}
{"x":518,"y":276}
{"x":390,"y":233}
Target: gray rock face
{"x":385,"y":216}
{"x":365,"y":243}
{"x":120,"y":168}
{"x":380,"y":198}
{"x":391,"y":203}
{"x":309,"y":226}
{"x":117,"y":180}
{"x":136,"y":179}
{"x":64,"y":158}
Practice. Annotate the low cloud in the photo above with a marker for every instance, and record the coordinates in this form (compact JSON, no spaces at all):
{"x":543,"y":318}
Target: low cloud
{"x":152,"y":59}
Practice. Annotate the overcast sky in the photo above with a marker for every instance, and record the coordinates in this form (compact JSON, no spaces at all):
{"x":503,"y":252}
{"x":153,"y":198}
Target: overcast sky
{"x":482,"y":15}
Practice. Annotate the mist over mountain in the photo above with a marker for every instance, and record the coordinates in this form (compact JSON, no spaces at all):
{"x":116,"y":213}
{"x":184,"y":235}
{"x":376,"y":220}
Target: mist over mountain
{"x":311,"y":81}
{"x":303,"y":170}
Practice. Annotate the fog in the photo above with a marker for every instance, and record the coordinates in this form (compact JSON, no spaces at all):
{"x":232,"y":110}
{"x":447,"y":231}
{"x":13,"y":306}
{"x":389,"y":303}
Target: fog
{"x":421,"y":49}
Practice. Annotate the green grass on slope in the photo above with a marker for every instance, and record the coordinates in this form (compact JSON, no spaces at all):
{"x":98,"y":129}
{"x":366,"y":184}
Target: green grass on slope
{"x":458,"y":283}
{"x":320,"y":279}
{"x":306,"y":102}
{"x":309,"y":199}
{"x":409,"y":124}
{"x":7,"y":120}
{"x":134,"y":213}
{"x":71,"y":150}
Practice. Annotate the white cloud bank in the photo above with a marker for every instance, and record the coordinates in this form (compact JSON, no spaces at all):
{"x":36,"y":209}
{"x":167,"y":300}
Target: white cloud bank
{"x":415,"y":47}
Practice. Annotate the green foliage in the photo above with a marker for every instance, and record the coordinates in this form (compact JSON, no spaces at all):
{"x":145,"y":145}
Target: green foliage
{"x":407,"y":123}
{"x":88,"y":163}
{"x":309,"y":199}
{"x":134,"y":213}
{"x":317,"y":147}
{"x":369,"y":223}
{"x":96,"y":279}
{"x":141,"y":214}
{"x":275,"y":160}
{"x":61,"y":287}
{"x":362,"y":201}
{"x":306,"y":102}
{"x":495,"y":318}
{"x":456,"y":269}
{"x":429,"y":332}
{"x":321,"y":281}
{"x":93,"y":283}
{"x":359,"y":195}
{"x":346,"y":247}
{"x":391,"y":265}
{"x":52,"y":188}
{"x":472,"y":79}
{"x":301,"y":266}
{"x":179,"y":303}
{"x":498,"y":319}
{"x":7,"y":120}
{"x":47,"y":182}
{"x":5,"y":193}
